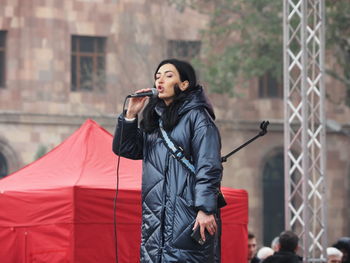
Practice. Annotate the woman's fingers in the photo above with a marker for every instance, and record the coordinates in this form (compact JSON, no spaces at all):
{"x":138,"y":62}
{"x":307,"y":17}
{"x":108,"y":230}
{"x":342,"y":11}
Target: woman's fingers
{"x":211,"y":227}
{"x":202,"y":230}
{"x":142,"y":90}
{"x":205,"y":222}
{"x":135,"y":106}
{"x":195,"y":225}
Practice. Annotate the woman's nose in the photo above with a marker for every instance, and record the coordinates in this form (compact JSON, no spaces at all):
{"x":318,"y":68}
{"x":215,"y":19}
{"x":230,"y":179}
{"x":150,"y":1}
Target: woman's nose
{"x":160,"y":79}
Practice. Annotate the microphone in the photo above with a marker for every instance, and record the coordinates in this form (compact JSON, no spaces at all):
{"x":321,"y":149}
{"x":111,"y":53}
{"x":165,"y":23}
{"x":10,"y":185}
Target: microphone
{"x":152,"y":93}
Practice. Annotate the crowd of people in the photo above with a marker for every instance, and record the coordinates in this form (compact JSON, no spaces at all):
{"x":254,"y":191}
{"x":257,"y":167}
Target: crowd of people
{"x":284,"y":249}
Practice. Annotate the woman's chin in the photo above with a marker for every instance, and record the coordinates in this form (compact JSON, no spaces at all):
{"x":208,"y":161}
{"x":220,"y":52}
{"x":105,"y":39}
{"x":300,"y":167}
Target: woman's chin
{"x":166,"y":99}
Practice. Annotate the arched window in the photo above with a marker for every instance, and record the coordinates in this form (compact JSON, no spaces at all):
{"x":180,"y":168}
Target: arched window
{"x":3,"y":166}
{"x":273,"y":197}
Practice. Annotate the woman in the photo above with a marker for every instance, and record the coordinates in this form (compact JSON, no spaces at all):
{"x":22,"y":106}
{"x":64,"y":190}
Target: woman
{"x":174,"y":200}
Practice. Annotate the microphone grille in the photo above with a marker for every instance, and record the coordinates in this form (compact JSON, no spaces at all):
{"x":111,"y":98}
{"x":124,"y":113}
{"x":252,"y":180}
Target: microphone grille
{"x":154,"y":93}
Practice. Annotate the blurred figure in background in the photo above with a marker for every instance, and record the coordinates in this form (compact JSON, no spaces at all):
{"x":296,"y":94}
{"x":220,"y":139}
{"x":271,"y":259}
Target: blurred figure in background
{"x":343,"y":244}
{"x":288,"y":245}
{"x":252,"y":249}
{"x":264,"y":252}
{"x":334,"y":255}
{"x":275,"y":244}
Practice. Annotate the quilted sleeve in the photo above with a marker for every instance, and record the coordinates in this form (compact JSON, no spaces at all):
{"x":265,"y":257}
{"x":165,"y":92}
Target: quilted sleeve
{"x":206,"y":146}
{"x":131,"y":143}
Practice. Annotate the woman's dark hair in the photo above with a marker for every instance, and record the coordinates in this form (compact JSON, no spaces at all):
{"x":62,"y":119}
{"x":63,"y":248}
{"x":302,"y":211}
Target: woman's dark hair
{"x":170,"y":116}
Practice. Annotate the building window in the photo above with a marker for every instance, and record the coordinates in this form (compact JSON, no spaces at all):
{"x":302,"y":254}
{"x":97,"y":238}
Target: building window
{"x":88,"y":65}
{"x":183,"y":49}
{"x":2,"y":58}
{"x":269,"y":86}
{"x":273,"y":197}
{"x":3,"y":166}
{"x":347,"y":97}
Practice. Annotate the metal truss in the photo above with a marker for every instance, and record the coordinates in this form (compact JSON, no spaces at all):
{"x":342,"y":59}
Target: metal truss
{"x":304,"y":125}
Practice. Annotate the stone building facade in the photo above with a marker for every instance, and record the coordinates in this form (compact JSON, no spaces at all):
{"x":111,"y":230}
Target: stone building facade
{"x":50,"y":47}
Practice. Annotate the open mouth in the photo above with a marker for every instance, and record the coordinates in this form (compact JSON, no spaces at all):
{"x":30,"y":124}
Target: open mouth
{"x":160,"y":89}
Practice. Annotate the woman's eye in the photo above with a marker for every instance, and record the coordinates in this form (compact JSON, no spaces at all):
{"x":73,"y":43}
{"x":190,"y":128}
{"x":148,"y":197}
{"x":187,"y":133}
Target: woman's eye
{"x":170,"y":75}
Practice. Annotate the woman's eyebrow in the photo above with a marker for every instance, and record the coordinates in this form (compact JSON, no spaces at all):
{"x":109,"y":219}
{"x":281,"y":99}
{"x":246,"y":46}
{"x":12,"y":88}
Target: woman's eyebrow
{"x":165,"y":72}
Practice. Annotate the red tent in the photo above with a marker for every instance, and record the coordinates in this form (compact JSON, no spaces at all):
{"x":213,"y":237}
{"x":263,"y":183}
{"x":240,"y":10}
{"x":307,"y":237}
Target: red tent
{"x":60,"y":207}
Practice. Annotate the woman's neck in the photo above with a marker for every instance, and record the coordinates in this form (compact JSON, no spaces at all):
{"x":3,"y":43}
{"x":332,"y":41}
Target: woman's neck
{"x":167,"y":102}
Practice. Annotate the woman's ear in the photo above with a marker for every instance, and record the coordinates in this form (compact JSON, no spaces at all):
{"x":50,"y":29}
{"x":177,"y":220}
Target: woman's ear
{"x":184,"y":85}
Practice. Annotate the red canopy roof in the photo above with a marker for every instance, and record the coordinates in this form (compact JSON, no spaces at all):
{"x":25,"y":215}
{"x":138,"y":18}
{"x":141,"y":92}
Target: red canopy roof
{"x":84,"y":159}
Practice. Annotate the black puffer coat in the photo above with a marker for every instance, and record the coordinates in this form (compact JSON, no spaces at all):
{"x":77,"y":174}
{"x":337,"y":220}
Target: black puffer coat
{"x":283,"y":256}
{"x":171,"y":196}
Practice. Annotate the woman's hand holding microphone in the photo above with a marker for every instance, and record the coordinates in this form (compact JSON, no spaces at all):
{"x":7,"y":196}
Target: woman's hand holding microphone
{"x":136,"y":104}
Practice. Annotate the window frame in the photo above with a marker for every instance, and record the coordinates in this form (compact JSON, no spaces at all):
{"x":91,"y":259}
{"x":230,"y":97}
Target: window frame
{"x":3,"y":33}
{"x":4,"y":169}
{"x":95,"y":55}
{"x":263,"y":87}
{"x":273,"y":163}
{"x":174,"y":45}
{"x":347,"y":96}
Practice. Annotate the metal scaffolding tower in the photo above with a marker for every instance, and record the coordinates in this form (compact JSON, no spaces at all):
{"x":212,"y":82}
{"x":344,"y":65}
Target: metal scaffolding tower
{"x":304,"y":125}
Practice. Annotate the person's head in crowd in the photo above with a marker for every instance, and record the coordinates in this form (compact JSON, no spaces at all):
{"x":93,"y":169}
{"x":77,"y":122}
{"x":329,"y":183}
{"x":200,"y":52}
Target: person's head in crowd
{"x":264,"y":252}
{"x":343,"y":244}
{"x":288,"y":241}
{"x":334,"y":255}
{"x":275,"y":244}
{"x":251,"y":245}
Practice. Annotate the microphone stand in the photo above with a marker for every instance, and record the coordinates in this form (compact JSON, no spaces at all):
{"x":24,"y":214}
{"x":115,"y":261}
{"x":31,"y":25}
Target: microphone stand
{"x":263,"y":127}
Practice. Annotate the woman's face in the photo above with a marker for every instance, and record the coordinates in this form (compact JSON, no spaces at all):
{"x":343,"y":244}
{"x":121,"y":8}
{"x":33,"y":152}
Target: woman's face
{"x":166,"y":78}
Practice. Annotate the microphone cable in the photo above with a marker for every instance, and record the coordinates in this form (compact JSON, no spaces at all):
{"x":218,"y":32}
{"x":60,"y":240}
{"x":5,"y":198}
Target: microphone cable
{"x":153,"y":93}
{"x":117,"y":185}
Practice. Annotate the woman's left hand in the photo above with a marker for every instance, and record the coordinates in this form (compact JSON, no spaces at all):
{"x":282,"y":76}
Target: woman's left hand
{"x":205,"y":221}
